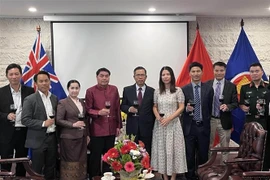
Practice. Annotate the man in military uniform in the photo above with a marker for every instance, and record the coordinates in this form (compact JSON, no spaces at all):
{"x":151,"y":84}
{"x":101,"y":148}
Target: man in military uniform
{"x":253,"y":96}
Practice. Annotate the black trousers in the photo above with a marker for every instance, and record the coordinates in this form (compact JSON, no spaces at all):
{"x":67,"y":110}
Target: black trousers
{"x":17,"y":143}
{"x":98,"y":147}
{"x":197,"y":145}
{"x":147,"y":140}
{"x":44,"y":157}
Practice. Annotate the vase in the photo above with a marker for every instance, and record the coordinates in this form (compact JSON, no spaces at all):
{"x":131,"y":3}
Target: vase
{"x":129,"y":175}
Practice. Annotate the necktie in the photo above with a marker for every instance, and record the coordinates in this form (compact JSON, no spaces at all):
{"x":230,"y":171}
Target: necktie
{"x":140,"y":96}
{"x":216,"y":100}
{"x":197,"y":108}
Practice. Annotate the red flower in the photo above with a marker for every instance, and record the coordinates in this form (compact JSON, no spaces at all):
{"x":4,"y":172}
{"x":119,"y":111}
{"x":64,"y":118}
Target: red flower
{"x":125,"y":149}
{"x":113,"y":153}
{"x":145,"y":162}
{"x":129,"y":166}
{"x":141,"y":144}
{"x":132,"y":145}
{"x":105,"y":157}
{"x":116,"y":165}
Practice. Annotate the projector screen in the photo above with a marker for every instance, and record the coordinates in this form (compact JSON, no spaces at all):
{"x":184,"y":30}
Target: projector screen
{"x":80,"y":49}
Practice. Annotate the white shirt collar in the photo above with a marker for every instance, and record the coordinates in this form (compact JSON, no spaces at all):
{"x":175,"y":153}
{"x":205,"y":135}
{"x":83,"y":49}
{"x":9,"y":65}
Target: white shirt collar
{"x":13,"y":91}
{"x":143,"y":87}
{"x":43,"y":95}
{"x":222,"y":81}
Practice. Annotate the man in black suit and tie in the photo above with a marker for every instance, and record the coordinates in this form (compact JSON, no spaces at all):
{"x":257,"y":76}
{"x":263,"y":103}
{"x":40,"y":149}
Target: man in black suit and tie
{"x":224,"y":101}
{"x":140,"y":121}
{"x":38,"y":115}
{"x":12,"y":132}
{"x":196,"y":121}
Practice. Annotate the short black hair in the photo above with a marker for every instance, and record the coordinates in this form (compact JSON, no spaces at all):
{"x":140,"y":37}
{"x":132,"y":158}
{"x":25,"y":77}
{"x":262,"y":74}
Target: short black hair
{"x":195,"y":64}
{"x":220,"y":63}
{"x":73,"y":81}
{"x":139,"y":68}
{"x":103,"y":69}
{"x":41,"y":72}
{"x":256,"y":64}
{"x":13,"y":65}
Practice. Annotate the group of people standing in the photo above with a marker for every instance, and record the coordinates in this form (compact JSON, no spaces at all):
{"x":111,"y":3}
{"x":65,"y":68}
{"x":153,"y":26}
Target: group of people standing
{"x":177,"y":125}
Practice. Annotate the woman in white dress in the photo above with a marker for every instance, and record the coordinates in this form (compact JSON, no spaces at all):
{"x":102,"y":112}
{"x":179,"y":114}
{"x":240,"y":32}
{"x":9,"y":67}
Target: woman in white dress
{"x":168,"y":145}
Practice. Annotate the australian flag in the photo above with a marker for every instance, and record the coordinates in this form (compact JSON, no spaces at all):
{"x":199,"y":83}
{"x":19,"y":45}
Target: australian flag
{"x":38,"y":60}
{"x":237,"y":72}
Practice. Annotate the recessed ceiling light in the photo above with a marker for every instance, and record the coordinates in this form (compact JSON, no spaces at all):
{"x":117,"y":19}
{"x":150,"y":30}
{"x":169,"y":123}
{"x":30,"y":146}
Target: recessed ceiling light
{"x":32,"y":9}
{"x":152,"y":9}
{"x":269,"y":8}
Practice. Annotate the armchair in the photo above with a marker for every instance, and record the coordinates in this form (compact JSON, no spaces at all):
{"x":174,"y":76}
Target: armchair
{"x":250,"y":156}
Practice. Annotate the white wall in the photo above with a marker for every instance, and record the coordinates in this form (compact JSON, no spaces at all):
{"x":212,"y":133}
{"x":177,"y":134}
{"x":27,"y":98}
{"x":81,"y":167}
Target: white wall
{"x":219,"y":34}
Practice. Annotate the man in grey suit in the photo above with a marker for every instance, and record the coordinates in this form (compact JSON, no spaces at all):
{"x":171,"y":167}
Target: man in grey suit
{"x":196,"y":125}
{"x":224,"y":101}
{"x":38,"y":115}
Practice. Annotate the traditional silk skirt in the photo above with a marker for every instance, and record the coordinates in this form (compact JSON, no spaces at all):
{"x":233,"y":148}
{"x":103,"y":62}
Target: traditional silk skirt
{"x":73,"y":155}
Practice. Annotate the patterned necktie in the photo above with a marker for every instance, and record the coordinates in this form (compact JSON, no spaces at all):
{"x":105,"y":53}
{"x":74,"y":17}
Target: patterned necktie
{"x":216,"y":100}
{"x":140,"y":96}
{"x":197,"y":108}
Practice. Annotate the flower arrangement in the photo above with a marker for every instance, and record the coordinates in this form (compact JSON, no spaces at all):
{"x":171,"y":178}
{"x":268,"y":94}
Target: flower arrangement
{"x":127,"y":157}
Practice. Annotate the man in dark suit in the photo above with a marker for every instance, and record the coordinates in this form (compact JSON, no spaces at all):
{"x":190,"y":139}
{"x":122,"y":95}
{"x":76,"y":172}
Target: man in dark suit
{"x":224,"y":101}
{"x":142,"y":124}
{"x":196,"y":127}
{"x":38,"y":115}
{"x":12,"y":132}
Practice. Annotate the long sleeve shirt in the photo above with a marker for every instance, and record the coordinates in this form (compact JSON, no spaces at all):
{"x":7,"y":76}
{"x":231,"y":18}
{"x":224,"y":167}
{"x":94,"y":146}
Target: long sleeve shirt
{"x":95,"y":101}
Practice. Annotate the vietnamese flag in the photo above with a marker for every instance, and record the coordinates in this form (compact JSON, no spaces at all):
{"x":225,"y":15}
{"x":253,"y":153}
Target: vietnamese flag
{"x":199,"y":54}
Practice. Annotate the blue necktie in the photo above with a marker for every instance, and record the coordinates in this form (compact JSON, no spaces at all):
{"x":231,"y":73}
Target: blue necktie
{"x":197,"y":109}
{"x":216,"y":100}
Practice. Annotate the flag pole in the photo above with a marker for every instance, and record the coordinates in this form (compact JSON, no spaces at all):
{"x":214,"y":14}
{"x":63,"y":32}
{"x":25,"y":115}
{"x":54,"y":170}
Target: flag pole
{"x":242,"y":23}
{"x":38,"y":28}
{"x":198,"y":27}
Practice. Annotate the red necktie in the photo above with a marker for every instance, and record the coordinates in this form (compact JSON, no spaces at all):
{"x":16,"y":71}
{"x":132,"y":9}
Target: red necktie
{"x":140,"y":96}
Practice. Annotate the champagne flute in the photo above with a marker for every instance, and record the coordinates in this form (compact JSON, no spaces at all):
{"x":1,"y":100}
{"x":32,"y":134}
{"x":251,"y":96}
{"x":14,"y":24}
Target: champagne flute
{"x":81,"y":118}
{"x":191,"y":103}
{"x":108,"y":106}
{"x":136,"y":105}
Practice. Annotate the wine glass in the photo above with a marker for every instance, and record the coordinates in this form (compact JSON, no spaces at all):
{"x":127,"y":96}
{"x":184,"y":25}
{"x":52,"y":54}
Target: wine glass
{"x":161,"y":114}
{"x":261,"y":110}
{"x":51,"y":115}
{"x":191,"y":103}
{"x":221,"y":98}
{"x":108,"y":106}
{"x":136,"y":105}
{"x":247,"y":103}
{"x":13,"y":109}
{"x":81,"y":118}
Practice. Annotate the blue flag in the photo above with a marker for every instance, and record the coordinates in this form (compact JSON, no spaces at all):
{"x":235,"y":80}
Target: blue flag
{"x":237,"y":72}
{"x":38,"y":60}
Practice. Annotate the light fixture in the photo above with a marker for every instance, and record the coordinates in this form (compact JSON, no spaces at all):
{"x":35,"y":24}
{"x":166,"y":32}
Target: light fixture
{"x":269,"y":8}
{"x":32,"y":9}
{"x":152,"y":9}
